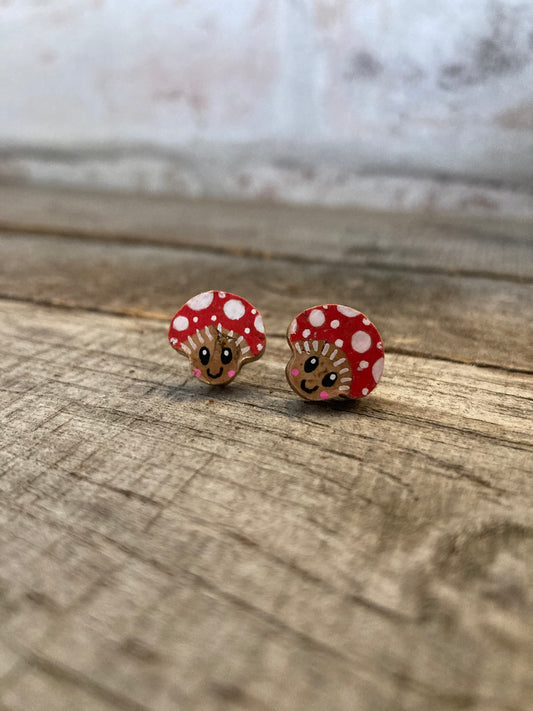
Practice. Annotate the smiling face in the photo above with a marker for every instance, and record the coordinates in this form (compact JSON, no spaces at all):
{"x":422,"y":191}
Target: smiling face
{"x":319,"y":370}
{"x":216,"y":356}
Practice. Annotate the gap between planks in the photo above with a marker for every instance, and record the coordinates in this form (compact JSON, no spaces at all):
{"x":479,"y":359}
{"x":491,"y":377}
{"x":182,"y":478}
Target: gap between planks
{"x":251,"y":252}
{"x":164,"y":317}
{"x":460,"y":244}
{"x":470,"y":320}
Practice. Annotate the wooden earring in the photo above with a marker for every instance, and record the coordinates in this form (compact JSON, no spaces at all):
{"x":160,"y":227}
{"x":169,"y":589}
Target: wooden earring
{"x":219,"y":333}
{"x":337,"y":352}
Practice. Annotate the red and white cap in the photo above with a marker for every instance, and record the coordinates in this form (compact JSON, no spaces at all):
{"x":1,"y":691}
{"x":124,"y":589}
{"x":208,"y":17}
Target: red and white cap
{"x":349,"y":330}
{"x":221,"y":310}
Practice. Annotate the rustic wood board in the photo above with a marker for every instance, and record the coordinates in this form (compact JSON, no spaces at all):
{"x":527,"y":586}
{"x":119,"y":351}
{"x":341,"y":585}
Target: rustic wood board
{"x":441,"y":244}
{"x":468,"y":319}
{"x":171,"y":546}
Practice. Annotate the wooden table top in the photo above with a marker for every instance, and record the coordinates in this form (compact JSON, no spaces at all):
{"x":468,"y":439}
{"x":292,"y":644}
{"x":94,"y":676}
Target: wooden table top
{"x":166,"y":545}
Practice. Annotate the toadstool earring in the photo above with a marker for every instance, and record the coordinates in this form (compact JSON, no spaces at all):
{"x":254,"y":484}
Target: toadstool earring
{"x":219,"y":333}
{"x":336,"y":352}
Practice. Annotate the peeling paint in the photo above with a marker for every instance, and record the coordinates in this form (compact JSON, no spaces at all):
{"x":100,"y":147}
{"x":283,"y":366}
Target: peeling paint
{"x":499,"y":53}
{"x":363,"y":65}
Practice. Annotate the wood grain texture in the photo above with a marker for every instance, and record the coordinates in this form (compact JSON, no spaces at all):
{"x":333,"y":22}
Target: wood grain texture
{"x":468,"y":319}
{"x":168,"y":546}
{"x":417,"y":242}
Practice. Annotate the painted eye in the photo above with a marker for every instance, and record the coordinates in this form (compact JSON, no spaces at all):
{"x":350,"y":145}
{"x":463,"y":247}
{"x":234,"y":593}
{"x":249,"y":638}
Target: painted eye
{"x":310,"y":364}
{"x":204,"y":355}
{"x":329,"y":380}
{"x":226,"y":356}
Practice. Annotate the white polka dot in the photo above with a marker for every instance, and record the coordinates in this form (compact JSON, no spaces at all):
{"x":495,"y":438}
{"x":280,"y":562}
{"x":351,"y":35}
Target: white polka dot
{"x":365,"y":391}
{"x":294,"y":326}
{"x":173,"y":341}
{"x":195,"y":319}
{"x":316,"y":317}
{"x":201,"y":301}
{"x":254,"y":311}
{"x":339,"y":343}
{"x":347,"y":311}
{"x":380,"y":346}
{"x":259,"y":325}
{"x":363,"y":364}
{"x":213,"y":317}
{"x":335,"y":324}
{"x":361,"y":341}
{"x":306,"y":333}
{"x":181,"y":323}
{"x":377,"y":369}
{"x":259,"y":346}
{"x":247,"y":331}
{"x":366,"y":321}
{"x":222,"y":294}
{"x":234,"y":309}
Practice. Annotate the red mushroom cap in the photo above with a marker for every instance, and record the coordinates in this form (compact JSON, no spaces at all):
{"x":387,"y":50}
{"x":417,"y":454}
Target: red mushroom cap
{"x":349,"y":330}
{"x":214,"y":308}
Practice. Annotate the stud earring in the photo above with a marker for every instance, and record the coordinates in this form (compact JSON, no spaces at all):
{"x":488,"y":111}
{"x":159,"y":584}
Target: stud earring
{"x":337,"y":352}
{"x":218,"y":332}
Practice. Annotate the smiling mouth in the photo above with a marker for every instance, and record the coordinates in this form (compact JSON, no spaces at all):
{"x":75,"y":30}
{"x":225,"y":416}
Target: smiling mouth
{"x":308,"y":390}
{"x":217,"y":375}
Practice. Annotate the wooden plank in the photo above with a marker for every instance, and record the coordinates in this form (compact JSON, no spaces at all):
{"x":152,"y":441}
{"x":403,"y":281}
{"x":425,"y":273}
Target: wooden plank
{"x":454,"y":317}
{"x":490,"y":247}
{"x":170,"y":546}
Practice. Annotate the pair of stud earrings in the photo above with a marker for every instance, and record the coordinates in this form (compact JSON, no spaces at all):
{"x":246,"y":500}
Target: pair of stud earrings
{"x":336,"y":351}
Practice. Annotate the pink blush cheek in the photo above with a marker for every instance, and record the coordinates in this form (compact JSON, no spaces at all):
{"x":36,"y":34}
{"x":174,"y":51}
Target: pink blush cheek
{"x":295,"y":372}
{"x":196,"y":372}
{"x":231,"y":373}
{"x":324,"y":395}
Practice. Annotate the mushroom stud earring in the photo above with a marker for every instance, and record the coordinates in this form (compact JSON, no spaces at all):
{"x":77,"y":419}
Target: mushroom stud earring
{"x":219,"y":333}
{"x":336,"y":352}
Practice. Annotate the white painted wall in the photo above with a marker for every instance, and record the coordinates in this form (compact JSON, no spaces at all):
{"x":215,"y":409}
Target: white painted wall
{"x":395,"y":103}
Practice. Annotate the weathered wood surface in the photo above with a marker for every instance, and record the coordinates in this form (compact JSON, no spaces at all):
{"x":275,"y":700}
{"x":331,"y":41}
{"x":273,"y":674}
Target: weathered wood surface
{"x":168,"y":546}
{"x":444,"y":244}
{"x":461,"y":318}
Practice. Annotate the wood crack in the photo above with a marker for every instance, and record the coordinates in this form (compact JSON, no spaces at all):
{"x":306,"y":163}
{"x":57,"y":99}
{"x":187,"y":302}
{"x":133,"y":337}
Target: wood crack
{"x":161,"y":316}
{"x":247,"y":252}
{"x":65,"y":674}
{"x":128,"y":493}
